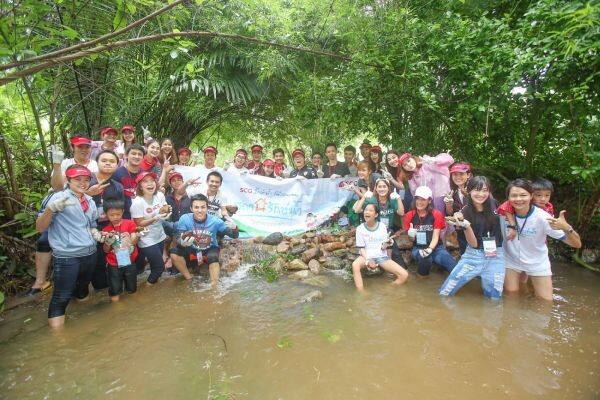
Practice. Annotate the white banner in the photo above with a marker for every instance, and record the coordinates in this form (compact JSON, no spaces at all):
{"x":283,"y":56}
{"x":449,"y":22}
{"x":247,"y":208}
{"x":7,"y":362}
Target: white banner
{"x":267,"y":205}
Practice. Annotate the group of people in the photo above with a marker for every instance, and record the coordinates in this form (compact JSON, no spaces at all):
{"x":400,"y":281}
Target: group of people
{"x":118,"y":205}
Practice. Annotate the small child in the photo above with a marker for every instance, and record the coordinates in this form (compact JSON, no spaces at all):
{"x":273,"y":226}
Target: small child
{"x":542,"y":191}
{"x":119,"y":245}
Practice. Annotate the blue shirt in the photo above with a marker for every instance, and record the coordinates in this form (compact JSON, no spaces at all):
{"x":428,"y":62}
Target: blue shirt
{"x":211,"y":226}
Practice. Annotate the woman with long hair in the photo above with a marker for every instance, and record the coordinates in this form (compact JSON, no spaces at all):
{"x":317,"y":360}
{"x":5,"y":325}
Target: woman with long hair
{"x":484,"y":255}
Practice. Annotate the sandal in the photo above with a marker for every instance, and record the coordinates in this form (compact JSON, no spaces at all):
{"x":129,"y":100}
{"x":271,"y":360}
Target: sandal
{"x":35,"y":291}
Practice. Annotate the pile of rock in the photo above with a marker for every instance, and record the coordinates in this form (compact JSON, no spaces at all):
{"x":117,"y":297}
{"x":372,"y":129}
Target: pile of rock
{"x":311,"y":251}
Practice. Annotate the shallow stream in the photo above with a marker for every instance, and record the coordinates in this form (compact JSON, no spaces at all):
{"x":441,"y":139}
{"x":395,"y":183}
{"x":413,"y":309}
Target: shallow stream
{"x":249,"y":340}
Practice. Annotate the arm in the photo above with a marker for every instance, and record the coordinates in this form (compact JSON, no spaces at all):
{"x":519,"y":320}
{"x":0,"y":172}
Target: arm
{"x":470,"y":236}
{"x":358,"y":206}
{"x":43,"y":221}
{"x":400,"y":210}
{"x":435,"y":239}
{"x":57,"y":181}
{"x":142,"y":222}
{"x":572,"y":238}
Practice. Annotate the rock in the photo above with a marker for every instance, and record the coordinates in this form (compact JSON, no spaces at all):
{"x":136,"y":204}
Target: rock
{"x":328,"y":238}
{"x":333,"y":246}
{"x":451,"y":241}
{"x":310,"y":254}
{"x":296,"y":240}
{"x":354,"y":250}
{"x":349,"y":243}
{"x":340,"y":252}
{"x":317,"y":240}
{"x":310,"y":234}
{"x":315,"y":267}
{"x":282,"y":247}
{"x":278,"y":265}
{"x":342,"y":239}
{"x":231,"y":209}
{"x":300,"y":275}
{"x":589,"y":255}
{"x":372,"y":272}
{"x":273,"y":239}
{"x":310,"y":297}
{"x":333,"y":263}
{"x":321,"y":259}
{"x":298,"y":249}
{"x":403,"y":242}
{"x":258,"y":239}
{"x":319,"y":281}
{"x":296,"y":265}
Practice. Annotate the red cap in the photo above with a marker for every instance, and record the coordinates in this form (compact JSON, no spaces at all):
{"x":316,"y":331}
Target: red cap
{"x":184,"y":150}
{"x":210,"y":149}
{"x":242,"y":152}
{"x":269,"y":163}
{"x":127,"y":128}
{"x":403,"y":158}
{"x":256,"y":147}
{"x":460,"y":167}
{"x":81,"y":141}
{"x":365,"y":145}
{"x":108,"y":129}
{"x":175,"y":174}
{"x":296,"y":152}
{"x":376,"y":148}
{"x":79,"y":170}
{"x":142,"y":175}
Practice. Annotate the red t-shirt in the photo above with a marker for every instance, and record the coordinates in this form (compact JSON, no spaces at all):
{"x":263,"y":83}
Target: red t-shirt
{"x":126,"y":225}
{"x":506,"y":207}
{"x":433,"y":220}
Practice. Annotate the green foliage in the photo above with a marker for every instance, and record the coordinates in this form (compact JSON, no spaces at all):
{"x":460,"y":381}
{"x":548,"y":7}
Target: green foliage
{"x":264,"y":269}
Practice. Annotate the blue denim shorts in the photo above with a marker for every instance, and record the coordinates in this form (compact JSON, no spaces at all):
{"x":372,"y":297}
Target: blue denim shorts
{"x":380,"y":260}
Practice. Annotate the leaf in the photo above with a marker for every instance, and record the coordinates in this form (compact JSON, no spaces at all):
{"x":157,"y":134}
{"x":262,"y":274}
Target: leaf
{"x":174,"y":54}
{"x":284,"y":342}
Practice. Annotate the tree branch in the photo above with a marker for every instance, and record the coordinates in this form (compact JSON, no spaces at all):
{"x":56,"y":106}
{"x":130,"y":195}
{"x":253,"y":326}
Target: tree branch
{"x":153,"y":38}
{"x":91,"y":43}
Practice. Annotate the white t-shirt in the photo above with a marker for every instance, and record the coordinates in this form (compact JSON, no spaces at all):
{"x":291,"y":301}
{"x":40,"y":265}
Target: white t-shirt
{"x":233,"y":168}
{"x":372,"y":240}
{"x":215,"y":202}
{"x":142,"y":209}
{"x":528,"y":251}
{"x":67,"y":162}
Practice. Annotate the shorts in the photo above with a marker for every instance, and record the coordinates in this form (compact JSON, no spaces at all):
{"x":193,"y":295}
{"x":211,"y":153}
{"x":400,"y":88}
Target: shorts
{"x":381,"y":260}
{"x":541,"y":269}
{"x":42,"y":245}
{"x":118,"y":276}
{"x":209,"y":255}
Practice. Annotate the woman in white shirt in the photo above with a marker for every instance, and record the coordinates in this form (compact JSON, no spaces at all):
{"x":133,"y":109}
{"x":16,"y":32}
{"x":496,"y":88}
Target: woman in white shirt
{"x":528,"y":252}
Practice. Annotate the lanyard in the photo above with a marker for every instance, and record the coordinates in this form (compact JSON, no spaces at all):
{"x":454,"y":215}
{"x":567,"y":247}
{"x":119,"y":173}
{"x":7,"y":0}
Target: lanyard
{"x":519,"y":231}
{"x":196,"y":227}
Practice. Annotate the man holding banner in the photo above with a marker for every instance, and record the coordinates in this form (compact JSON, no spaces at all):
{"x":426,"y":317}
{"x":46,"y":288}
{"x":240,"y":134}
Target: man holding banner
{"x":302,"y":171}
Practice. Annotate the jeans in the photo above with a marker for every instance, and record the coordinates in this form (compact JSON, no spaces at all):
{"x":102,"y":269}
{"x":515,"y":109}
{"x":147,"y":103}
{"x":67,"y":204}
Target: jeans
{"x":71,"y":278}
{"x":154,"y":254}
{"x":99,"y":280}
{"x":472,"y":264}
{"x":439,"y":255}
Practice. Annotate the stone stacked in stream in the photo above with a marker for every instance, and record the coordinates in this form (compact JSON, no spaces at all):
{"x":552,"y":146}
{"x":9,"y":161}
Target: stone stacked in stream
{"x":310,"y":252}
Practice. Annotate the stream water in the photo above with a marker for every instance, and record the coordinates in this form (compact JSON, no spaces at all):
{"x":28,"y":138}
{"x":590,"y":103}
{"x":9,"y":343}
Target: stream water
{"x":249,"y":340}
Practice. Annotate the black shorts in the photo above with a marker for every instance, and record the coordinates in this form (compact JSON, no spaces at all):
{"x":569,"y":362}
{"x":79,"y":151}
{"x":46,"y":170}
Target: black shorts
{"x":42,"y":245}
{"x":118,"y":276}
{"x":209,"y":255}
